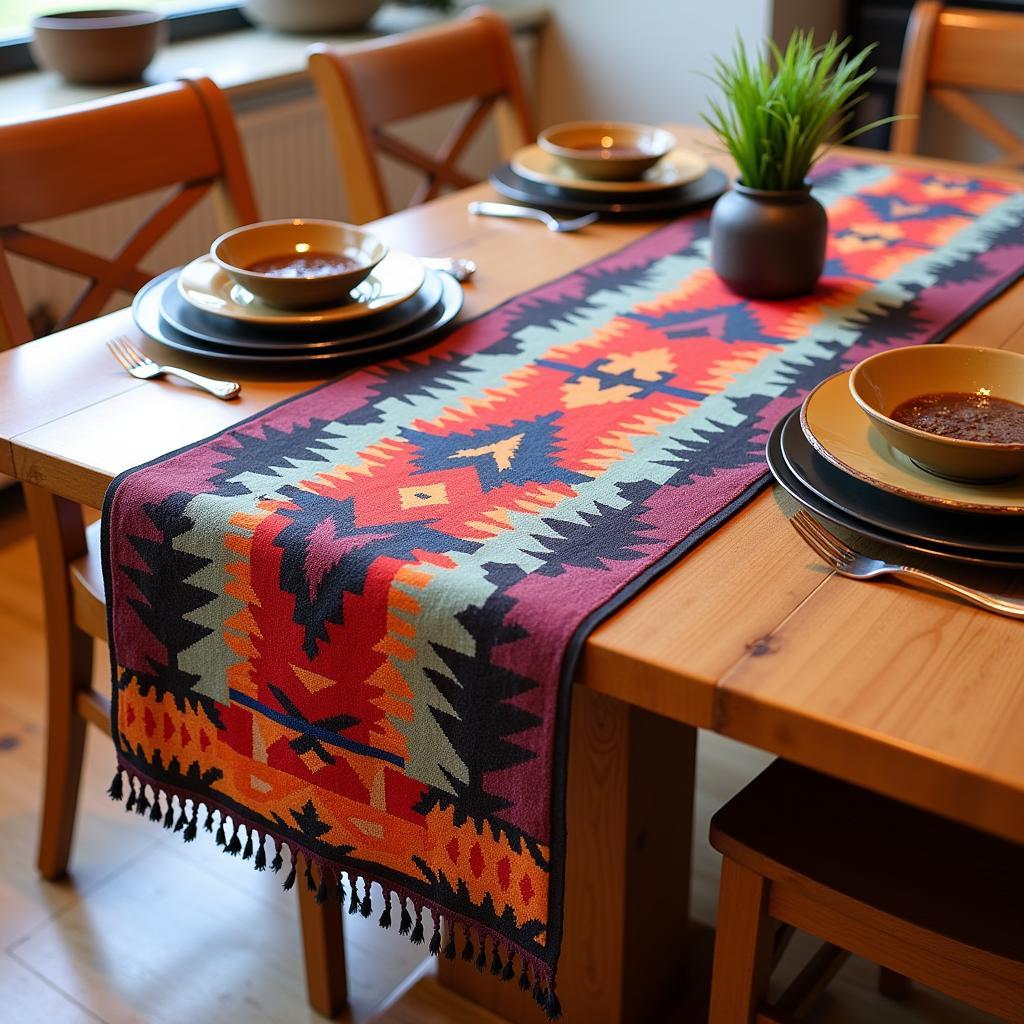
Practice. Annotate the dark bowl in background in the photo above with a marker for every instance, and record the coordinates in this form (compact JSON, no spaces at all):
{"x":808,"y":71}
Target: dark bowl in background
{"x":97,"y":47}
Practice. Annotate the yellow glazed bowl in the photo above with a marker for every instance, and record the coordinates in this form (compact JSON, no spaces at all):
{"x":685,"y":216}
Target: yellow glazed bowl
{"x":239,"y":249}
{"x":882,"y":382}
{"x":607,"y":150}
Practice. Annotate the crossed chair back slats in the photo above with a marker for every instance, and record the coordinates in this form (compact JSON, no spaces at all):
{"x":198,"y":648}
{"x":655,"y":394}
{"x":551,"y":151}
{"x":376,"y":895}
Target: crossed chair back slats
{"x":180,"y":137}
{"x":373,"y":85}
{"x":951,"y":52}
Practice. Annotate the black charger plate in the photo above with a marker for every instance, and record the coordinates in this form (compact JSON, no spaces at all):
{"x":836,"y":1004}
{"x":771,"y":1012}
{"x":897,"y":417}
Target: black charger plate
{"x":921,"y":539}
{"x":180,"y":314}
{"x":958,"y":530}
{"x":619,"y":204}
{"x":150,"y":321}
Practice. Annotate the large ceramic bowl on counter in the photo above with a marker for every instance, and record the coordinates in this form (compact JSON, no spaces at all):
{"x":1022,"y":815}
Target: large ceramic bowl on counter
{"x":97,"y":47}
{"x":311,"y":15}
{"x":972,"y":399}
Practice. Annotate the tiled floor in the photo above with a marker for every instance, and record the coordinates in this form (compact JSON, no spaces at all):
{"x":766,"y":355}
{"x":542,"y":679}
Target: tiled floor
{"x":148,"y":931}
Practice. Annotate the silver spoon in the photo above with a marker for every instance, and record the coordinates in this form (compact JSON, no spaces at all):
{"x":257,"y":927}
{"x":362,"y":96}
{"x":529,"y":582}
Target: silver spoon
{"x":529,"y":213}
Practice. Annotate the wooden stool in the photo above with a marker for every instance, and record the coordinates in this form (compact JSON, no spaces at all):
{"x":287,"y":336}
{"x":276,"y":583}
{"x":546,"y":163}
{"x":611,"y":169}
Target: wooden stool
{"x":922,"y":896}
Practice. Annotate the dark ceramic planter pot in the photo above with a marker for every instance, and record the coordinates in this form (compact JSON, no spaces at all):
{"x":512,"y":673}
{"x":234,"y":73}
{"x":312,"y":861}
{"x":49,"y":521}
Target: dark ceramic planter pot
{"x":768,"y":245}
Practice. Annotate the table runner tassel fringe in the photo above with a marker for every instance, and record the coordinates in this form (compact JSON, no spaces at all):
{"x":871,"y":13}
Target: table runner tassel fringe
{"x":502,"y":955}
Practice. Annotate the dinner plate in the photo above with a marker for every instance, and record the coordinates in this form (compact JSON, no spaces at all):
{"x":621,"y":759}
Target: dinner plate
{"x":823,"y":509}
{"x":208,"y":287}
{"x":148,"y":318}
{"x":842,"y":434}
{"x":998,"y":535}
{"x":557,"y":198}
{"x":183,"y":317}
{"x":677,"y":168}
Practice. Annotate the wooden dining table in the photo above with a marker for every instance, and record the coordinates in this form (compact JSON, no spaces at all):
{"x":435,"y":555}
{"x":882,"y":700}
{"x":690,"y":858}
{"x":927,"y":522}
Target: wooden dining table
{"x":907,"y":692}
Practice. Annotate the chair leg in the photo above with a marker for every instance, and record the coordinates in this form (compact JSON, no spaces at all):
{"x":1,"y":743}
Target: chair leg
{"x":323,"y":945}
{"x":743,"y":946}
{"x":60,"y":537}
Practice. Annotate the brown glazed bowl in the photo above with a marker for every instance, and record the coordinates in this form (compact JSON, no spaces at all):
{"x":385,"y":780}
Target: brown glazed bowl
{"x":607,"y":150}
{"x":97,"y":47}
{"x":236,"y":251}
{"x":885,"y":380}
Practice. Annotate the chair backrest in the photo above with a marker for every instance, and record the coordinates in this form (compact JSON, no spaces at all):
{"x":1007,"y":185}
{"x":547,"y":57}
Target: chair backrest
{"x":180,"y":136}
{"x":374,"y":84}
{"x":950,"y":51}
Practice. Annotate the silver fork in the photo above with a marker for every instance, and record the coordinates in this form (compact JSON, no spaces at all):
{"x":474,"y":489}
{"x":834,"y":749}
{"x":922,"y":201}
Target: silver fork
{"x":561,"y":227}
{"x":848,"y":562}
{"x":145,"y":368}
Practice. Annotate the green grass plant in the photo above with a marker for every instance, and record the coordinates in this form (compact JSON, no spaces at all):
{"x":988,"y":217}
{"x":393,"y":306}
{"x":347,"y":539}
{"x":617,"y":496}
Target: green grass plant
{"x":782,"y":111}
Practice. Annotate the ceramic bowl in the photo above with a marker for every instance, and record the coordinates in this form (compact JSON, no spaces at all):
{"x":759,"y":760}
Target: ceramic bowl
{"x":97,"y":47}
{"x":607,"y":150}
{"x":237,"y":250}
{"x":882,"y":382}
{"x":312,"y":15}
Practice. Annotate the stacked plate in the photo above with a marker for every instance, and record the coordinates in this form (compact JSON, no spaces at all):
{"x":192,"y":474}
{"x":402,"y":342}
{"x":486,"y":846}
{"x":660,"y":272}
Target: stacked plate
{"x":830,"y":459}
{"x":680,"y":181}
{"x":199,"y":309}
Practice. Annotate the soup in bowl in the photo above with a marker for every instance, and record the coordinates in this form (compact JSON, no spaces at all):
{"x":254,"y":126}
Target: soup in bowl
{"x":299,"y":264}
{"x":956,"y":411}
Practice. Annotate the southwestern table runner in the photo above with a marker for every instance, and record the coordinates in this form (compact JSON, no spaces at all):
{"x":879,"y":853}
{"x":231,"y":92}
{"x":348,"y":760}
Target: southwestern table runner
{"x":346,"y":628}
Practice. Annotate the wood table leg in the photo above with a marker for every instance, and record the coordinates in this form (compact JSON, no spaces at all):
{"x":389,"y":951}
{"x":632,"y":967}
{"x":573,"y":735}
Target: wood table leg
{"x":323,"y":947}
{"x":60,"y":538}
{"x":630,"y":817}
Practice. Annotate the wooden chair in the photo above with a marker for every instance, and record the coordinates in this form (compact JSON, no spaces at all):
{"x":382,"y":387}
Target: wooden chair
{"x":181,"y":138}
{"x":950,"y":51}
{"x":924,"y":897}
{"x":376,"y":83}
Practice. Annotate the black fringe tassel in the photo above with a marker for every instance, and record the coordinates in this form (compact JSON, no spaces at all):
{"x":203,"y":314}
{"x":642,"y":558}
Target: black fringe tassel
{"x":185,"y":819}
{"x":116,"y":789}
{"x":524,"y":977}
{"x":290,"y":880}
{"x":416,"y":938}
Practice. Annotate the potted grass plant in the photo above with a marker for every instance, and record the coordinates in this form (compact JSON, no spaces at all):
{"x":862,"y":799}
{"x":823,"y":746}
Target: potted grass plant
{"x":779,"y":113}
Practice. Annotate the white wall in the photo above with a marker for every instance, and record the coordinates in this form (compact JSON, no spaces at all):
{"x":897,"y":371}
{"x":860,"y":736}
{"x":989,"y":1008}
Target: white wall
{"x":638,"y":59}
